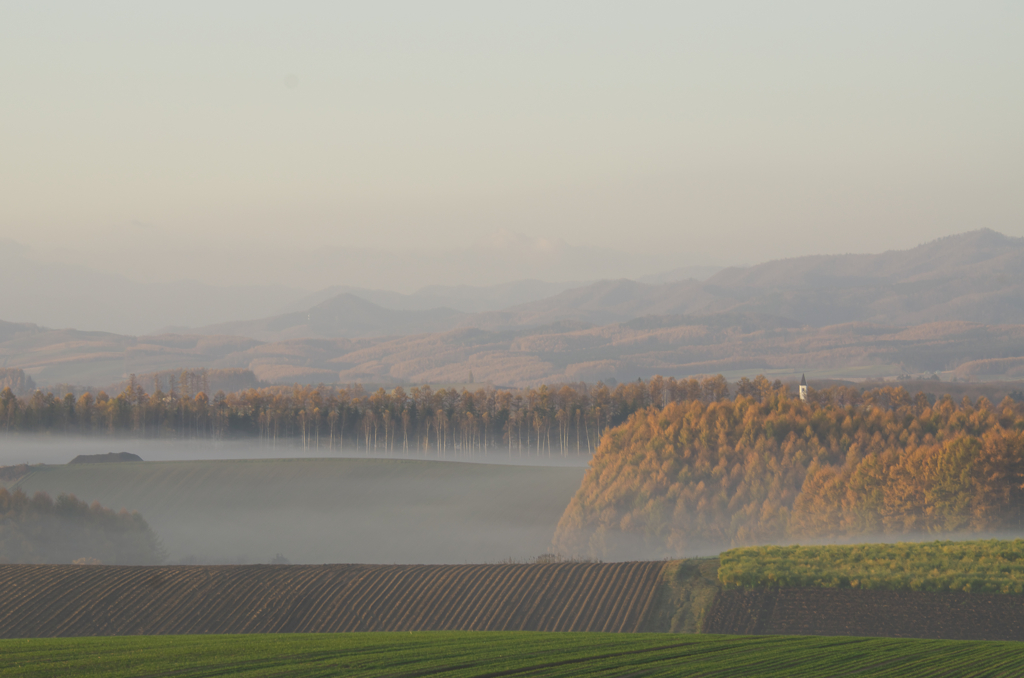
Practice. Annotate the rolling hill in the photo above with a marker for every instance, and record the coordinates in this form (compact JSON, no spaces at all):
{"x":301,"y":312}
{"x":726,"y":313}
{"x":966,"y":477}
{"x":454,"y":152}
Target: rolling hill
{"x":564,"y":352}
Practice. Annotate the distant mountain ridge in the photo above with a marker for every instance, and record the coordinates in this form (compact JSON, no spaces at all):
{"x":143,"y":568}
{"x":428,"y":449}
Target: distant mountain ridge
{"x":952,"y":304}
{"x":973,"y":277}
{"x":464,"y":298}
{"x":934,"y":259}
{"x":120,"y":291}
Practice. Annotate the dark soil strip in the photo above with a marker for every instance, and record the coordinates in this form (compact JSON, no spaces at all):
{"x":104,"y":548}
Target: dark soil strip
{"x":846,"y":612}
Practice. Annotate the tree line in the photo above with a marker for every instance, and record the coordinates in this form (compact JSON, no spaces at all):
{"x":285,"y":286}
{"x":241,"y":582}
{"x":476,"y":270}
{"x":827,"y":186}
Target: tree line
{"x":697,"y":477}
{"x":565,"y":419}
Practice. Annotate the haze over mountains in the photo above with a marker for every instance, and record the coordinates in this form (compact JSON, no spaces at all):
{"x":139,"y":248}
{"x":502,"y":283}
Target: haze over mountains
{"x":975,"y":277}
{"x":57,"y":294}
{"x":173,"y":287}
{"x":936,"y":307}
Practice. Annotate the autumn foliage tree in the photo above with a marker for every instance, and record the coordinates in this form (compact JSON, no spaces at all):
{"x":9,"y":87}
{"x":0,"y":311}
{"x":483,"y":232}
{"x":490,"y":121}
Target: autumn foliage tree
{"x":699,"y":476}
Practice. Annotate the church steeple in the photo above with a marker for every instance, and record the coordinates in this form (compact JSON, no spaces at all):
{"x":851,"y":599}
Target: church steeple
{"x":803,"y":387}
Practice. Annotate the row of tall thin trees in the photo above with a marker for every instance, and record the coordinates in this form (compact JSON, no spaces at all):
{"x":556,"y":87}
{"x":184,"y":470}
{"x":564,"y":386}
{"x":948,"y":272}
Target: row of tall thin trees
{"x":566,"y":419}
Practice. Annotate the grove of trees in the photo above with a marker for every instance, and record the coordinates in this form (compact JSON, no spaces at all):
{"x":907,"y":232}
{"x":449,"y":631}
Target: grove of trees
{"x":697,"y":477}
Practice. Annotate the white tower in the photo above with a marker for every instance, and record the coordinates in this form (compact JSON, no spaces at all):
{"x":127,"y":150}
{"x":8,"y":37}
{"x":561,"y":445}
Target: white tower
{"x":803,"y":387}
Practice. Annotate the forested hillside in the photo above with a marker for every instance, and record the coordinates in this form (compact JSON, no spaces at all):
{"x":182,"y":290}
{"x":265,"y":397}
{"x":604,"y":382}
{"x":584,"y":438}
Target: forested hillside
{"x":696,"y":477}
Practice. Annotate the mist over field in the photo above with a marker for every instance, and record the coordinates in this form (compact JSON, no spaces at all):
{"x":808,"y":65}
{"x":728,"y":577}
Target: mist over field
{"x":329,"y":510}
{"x":29,"y":449}
{"x":220,"y":502}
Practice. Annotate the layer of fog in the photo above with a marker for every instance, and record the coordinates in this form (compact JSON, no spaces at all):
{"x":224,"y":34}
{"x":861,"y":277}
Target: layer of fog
{"x":330,"y":510}
{"x":249,"y":507}
{"x":47,"y":449}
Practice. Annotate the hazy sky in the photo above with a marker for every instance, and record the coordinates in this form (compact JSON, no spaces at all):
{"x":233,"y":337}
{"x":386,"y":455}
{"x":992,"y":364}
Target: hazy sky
{"x":712,"y":131}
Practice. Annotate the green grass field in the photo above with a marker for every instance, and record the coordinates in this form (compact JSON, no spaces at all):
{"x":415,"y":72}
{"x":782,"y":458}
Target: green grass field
{"x":505,"y":654}
{"x":329,"y":510}
{"x":984,"y":566}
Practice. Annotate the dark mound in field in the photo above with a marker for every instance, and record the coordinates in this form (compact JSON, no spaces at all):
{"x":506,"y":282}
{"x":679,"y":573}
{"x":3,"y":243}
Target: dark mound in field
{"x":847,"y":612}
{"x":102,"y":458}
{"x":98,"y":600}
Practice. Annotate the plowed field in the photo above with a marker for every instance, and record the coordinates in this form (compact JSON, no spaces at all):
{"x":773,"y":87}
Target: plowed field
{"x":90,"y":600}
